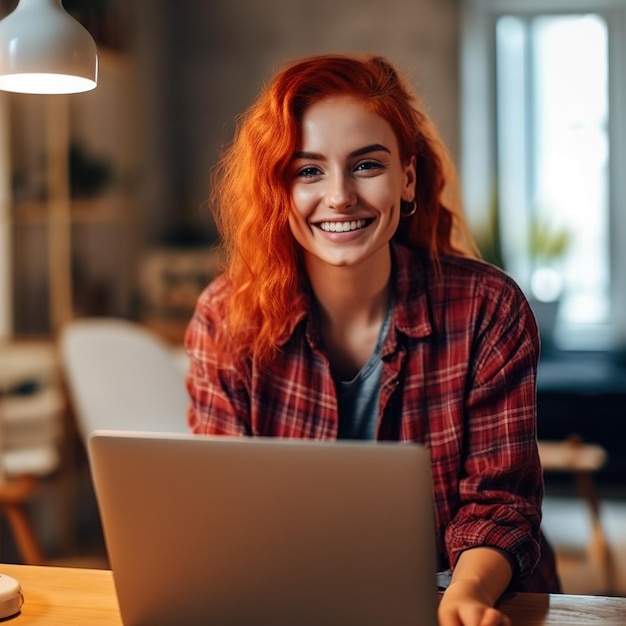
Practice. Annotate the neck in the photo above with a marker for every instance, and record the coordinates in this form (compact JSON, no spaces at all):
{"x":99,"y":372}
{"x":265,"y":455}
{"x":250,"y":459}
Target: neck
{"x":347,"y":294}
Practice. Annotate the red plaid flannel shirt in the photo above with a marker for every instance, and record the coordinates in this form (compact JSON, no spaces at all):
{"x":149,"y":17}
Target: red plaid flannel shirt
{"x":459,"y":367}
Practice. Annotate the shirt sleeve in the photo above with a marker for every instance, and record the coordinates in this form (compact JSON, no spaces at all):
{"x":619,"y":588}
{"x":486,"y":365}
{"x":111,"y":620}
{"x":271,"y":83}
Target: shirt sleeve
{"x":501,"y":486}
{"x":219,"y":397}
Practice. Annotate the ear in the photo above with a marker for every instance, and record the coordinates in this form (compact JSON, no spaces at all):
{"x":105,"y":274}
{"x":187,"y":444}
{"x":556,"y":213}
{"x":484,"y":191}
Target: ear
{"x":408,"y":183}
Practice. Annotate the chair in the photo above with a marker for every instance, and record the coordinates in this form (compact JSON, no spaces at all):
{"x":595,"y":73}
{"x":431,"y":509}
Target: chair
{"x":122,"y":376}
{"x":582,"y":460}
{"x":32,"y":412}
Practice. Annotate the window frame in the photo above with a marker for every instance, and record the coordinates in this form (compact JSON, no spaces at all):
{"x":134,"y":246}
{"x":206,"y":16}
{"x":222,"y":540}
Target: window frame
{"x":478,"y":160}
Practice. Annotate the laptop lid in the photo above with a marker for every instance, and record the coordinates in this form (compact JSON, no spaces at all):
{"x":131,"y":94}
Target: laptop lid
{"x":242,"y":531}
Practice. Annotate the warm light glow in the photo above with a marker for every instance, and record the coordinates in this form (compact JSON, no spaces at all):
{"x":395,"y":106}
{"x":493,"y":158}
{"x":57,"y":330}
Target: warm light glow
{"x":43,"y":49}
{"x":45,"y":83}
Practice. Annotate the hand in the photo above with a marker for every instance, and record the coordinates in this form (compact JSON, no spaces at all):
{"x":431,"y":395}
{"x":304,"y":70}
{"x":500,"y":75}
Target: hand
{"x":465,"y":604}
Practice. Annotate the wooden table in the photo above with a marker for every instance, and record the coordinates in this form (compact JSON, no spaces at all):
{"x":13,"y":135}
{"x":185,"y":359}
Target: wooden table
{"x":67,"y":596}
{"x":64,"y":596}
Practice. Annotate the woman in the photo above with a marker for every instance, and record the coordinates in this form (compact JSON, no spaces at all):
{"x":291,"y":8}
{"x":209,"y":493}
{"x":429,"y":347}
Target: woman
{"x":351,"y":307}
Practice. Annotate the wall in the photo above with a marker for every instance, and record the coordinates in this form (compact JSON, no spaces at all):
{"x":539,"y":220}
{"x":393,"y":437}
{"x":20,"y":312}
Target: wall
{"x":201,"y":63}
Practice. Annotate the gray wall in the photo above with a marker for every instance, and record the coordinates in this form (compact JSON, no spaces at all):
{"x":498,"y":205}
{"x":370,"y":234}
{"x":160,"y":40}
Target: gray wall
{"x":203,"y":61}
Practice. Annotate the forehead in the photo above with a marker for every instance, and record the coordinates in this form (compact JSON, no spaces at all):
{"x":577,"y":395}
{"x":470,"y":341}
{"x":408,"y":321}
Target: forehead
{"x":343,"y":121}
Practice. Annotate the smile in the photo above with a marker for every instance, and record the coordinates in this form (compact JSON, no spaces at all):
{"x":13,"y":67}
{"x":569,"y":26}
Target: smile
{"x":343,"y":227}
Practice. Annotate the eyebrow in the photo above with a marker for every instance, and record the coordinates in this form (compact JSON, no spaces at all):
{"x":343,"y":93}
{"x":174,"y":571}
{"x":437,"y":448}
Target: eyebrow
{"x":316,"y":156}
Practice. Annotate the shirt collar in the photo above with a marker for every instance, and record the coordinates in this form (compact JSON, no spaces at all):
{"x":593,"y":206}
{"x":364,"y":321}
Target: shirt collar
{"x":411,"y":300}
{"x":411,"y":314}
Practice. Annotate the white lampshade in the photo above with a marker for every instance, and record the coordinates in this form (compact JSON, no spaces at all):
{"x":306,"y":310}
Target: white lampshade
{"x":43,"y":49}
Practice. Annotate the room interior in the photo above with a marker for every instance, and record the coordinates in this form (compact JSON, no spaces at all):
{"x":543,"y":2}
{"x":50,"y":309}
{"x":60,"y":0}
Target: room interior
{"x":103,"y":214}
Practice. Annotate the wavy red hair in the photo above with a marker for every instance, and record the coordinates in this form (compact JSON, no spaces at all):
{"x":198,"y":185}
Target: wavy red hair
{"x":251,"y":192}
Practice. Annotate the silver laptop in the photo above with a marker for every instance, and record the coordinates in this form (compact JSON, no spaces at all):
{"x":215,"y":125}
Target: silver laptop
{"x":241,"y":531}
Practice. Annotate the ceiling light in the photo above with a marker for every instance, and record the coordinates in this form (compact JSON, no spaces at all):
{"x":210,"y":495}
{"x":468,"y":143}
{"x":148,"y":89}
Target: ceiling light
{"x":43,"y":49}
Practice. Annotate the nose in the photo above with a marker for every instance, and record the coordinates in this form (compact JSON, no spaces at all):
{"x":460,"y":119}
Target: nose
{"x":340,"y":193}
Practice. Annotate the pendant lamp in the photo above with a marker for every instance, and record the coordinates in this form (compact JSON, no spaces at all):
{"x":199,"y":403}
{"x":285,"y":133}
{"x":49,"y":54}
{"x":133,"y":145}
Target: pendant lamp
{"x":45,"y":50}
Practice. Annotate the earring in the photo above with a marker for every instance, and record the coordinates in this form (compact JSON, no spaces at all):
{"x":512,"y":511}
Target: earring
{"x":407,"y":208}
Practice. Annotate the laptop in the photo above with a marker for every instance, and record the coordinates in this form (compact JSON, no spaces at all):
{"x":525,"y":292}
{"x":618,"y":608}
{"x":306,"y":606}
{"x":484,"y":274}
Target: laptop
{"x":225,"y":531}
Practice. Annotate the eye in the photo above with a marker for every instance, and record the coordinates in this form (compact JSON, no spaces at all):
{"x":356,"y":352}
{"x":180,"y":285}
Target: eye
{"x":368,"y":166}
{"x":310,"y":171}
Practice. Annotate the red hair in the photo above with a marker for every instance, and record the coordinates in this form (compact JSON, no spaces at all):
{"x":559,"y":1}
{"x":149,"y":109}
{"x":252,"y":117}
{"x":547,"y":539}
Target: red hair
{"x":251,"y":192}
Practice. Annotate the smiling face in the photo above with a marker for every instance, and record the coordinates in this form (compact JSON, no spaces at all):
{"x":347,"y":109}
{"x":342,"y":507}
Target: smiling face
{"x":347,"y":181}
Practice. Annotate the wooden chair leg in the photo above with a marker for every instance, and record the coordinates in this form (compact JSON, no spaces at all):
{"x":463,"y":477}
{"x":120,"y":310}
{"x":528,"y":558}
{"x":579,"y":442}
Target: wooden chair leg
{"x":24,"y":535}
{"x":15,"y":493}
{"x":599,"y":549}
{"x":582,"y":461}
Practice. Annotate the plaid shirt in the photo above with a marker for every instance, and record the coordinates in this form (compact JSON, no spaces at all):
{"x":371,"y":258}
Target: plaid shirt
{"x":458,"y":375}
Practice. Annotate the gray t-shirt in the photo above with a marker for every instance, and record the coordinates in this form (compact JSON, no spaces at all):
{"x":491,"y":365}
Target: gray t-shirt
{"x":358,"y":398}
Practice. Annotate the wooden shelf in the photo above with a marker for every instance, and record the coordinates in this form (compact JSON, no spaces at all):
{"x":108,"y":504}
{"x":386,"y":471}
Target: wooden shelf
{"x":103,"y":209}
{"x":73,"y":255}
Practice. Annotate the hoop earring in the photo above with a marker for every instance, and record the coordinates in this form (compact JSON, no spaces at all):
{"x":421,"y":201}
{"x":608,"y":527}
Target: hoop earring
{"x":407,"y":208}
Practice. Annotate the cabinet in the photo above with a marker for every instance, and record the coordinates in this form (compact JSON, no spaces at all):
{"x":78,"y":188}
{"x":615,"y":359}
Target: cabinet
{"x":73,"y":208}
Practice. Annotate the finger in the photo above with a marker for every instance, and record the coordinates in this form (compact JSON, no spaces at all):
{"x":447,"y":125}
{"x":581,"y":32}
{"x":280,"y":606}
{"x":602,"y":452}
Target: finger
{"x":493,"y":617}
{"x":448,"y":618}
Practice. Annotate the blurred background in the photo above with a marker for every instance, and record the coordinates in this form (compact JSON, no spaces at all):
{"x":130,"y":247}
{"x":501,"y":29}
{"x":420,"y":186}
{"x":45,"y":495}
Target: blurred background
{"x":141,"y":146}
{"x":103,"y":207}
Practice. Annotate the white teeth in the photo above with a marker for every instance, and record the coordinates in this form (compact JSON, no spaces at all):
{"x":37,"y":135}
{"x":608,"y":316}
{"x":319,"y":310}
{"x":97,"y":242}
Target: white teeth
{"x":342,"y":227}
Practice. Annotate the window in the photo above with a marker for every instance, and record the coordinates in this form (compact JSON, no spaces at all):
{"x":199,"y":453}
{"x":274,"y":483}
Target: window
{"x":543,"y":140}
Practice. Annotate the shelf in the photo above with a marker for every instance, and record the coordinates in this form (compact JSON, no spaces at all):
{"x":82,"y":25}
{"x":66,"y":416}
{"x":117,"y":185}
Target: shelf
{"x":70,"y":254}
{"x":104,"y":210}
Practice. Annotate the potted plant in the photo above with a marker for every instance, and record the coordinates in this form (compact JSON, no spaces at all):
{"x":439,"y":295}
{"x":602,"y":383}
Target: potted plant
{"x":547,"y":245}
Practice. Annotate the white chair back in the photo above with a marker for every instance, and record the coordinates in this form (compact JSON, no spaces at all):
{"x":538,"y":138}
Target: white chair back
{"x":122,"y":376}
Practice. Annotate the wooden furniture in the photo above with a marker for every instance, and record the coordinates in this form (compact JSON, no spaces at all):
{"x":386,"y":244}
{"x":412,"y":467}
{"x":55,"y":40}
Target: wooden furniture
{"x":59,"y":596}
{"x":32,"y":414}
{"x":15,"y":495}
{"x":70,"y":178}
{"x":62,"y":596}
{"x":582,"y":461}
